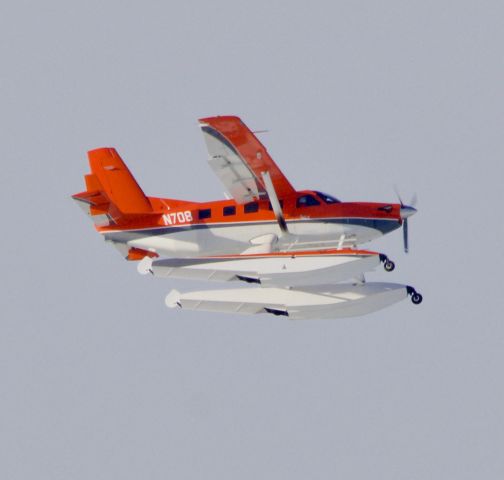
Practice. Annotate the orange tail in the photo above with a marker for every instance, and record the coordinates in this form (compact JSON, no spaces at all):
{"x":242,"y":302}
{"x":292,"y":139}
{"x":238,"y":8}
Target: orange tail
{"x":112,"y":194}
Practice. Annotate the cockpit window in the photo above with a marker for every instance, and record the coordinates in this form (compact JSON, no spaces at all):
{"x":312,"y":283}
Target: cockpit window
{"x":327,"y":198}
{"x":307,"y":201}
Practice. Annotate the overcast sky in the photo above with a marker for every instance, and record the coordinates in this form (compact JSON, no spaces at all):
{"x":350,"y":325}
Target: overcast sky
{"x":98,"y":380}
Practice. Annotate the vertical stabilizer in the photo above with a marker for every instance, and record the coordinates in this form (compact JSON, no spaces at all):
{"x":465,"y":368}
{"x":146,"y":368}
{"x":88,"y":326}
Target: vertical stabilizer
{"x":111,"y":192}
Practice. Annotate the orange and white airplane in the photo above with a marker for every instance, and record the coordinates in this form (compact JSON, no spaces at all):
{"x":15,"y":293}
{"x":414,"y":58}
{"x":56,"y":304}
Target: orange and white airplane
{"x":253,"y":237}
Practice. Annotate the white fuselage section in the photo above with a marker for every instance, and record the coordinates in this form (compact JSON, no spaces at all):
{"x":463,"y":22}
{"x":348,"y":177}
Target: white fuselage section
{"x":246,"y":237}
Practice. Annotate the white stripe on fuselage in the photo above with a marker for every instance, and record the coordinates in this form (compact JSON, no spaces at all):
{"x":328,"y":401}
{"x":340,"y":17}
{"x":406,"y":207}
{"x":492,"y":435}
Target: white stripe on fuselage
{"x":234,"y":238}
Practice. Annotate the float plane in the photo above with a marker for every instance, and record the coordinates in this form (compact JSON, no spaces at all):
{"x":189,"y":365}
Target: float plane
{"x":297,"y":250}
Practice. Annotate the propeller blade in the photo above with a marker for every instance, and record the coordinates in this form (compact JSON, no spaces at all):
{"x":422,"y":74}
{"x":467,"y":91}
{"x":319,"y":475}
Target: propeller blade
{"x":398,"y":196}
{"x":405,"y":235}
{"x":405,"y":212}
{"x":275,"y":204}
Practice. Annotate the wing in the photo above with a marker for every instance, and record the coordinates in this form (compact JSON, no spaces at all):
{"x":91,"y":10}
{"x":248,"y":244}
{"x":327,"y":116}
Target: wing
{"x":239,"y":159}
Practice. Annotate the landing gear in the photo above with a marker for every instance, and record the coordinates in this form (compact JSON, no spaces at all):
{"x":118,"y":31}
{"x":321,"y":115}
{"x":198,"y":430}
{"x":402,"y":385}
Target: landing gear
{"x":416,"y":297}
{"x":388,"y":264}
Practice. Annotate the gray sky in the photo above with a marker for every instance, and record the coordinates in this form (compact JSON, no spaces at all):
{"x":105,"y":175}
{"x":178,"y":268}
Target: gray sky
{"x":99,"y":380}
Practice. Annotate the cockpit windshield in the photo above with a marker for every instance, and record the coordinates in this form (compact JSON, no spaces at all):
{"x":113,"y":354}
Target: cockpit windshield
{"x":327,"y":198}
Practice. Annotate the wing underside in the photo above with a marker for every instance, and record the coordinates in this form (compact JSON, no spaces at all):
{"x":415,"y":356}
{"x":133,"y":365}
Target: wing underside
{"x":239,"y":159}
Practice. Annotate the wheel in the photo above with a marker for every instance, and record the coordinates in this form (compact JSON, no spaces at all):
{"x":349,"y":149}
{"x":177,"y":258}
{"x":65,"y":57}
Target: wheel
{"x":389,"y":265}
{"x":416,"y":298}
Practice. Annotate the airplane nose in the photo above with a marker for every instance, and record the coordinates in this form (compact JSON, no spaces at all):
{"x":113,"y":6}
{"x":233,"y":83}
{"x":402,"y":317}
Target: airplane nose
{"x":406,"y":211}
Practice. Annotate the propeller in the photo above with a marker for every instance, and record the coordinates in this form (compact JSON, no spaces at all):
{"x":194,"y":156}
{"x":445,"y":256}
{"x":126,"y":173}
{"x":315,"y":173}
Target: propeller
{"x":406,"y":212}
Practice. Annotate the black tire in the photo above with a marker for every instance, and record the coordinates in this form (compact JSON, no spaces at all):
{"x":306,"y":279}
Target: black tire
{"x":416,"y":298}
{"x":389,"y":265}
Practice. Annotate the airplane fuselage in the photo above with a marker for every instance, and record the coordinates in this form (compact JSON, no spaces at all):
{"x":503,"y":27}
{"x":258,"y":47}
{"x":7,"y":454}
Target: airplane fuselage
{"x":225,"y":227}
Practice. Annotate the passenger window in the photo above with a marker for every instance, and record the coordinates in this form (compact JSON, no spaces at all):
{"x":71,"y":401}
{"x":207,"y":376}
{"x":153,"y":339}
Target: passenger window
{"x":229,"y":210}
{"x":307,"y":201}
{"x":251,"y":207}
{"x":204,"y":213}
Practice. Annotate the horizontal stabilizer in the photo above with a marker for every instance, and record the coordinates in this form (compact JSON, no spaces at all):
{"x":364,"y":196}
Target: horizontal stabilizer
{"x":96,"y":206}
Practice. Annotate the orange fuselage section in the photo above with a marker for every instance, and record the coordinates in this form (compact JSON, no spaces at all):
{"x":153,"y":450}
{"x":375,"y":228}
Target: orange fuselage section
{"x":171,"y":212}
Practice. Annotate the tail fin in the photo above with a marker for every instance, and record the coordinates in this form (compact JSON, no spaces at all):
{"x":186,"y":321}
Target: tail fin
{"x":112,"y":194}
